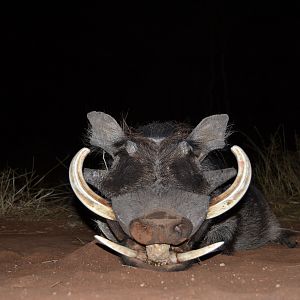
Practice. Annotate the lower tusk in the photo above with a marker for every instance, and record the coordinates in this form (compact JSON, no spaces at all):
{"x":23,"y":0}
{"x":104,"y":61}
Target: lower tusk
{"x":173,"y":257}
{"x":116,"y":247}
{"x":181,"y":257}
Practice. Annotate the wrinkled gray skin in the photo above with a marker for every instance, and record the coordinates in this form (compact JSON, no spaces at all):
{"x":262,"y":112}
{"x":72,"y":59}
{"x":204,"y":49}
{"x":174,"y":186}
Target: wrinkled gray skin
{"x":169,"y":167}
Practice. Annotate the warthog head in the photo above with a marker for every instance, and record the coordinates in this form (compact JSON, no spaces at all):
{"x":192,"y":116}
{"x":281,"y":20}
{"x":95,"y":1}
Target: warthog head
{"x":159,"y":188}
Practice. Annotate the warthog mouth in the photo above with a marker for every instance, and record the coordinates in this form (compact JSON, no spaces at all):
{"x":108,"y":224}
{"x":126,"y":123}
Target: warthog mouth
{"x":157,"y":256}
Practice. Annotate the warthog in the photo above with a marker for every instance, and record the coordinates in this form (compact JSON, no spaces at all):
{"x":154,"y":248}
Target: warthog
{"x":165,"y":199}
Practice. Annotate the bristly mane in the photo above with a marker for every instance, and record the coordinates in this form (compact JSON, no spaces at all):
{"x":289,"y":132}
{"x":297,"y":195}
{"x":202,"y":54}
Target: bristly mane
{"x":158,"y":130}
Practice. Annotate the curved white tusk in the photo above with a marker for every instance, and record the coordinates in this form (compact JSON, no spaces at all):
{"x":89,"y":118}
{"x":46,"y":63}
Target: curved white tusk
{"x":116,"y":247}
{"x":181,"y":257}
{"x":225,"y":201}
{"x":88,"y":197}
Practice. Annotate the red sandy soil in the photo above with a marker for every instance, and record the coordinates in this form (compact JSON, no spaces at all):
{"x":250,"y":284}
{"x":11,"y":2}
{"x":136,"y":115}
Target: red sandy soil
{"x":55,"y":260}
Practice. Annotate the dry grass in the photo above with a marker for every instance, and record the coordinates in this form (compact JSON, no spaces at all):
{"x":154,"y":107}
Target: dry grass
{"x":277,"y":172}
{"x":25,"y":194}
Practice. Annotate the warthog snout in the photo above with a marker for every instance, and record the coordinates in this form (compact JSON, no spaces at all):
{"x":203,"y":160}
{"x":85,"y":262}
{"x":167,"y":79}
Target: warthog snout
{"x":160,"y":228}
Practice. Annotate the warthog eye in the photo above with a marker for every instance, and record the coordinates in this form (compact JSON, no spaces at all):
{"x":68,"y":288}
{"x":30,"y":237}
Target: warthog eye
{"x":185,"y":148}
{"x":131,"y":147}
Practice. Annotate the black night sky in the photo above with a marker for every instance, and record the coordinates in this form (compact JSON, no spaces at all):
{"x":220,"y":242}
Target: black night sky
{"x":159,"y":62}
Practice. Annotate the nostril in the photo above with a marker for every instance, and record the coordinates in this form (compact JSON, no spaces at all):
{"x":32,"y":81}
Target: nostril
{"x":178,"y":228}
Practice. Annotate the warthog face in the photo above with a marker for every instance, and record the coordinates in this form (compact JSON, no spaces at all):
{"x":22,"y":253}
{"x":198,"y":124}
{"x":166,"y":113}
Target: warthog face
{"x":157,"y":192}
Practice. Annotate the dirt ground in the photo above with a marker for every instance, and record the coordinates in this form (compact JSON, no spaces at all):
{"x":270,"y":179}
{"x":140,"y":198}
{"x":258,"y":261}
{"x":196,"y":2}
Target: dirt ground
{"x":44,"y":260}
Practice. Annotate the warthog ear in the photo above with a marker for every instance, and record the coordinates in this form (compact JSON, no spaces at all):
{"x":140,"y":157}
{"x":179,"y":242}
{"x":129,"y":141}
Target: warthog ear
{"x":209,"y":134}
{"x":105,"y":132}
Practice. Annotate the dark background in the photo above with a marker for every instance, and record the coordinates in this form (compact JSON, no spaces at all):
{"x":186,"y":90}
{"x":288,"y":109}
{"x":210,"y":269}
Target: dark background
{"x":159,"y":62}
